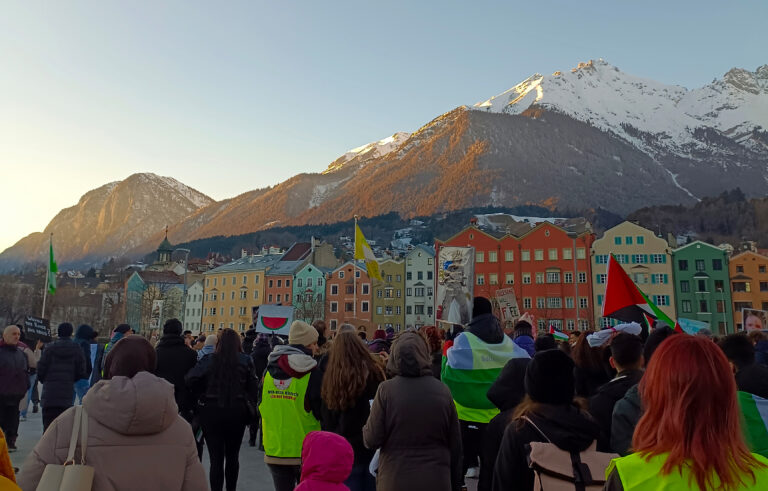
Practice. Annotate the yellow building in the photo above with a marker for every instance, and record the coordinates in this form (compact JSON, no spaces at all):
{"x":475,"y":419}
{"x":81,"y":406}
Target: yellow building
{"x":232,"y":291}
{"x":644,"y":256}
{"x":389,"y":296}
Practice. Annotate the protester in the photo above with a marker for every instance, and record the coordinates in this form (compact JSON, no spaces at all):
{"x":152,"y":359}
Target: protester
{"x":592,"y":369}
{"x":413,"y":422}
{"x":326,"y":462}
{"x":225,"y":388}
{"x":544,"y":342}
{"x":136,"y":439}
{"x":690,"y":435}
{"x":627,"y":359}
{"x":760,"y":340}
{"x":174,"y":360}
{"x":628,"y":410}
{"x":84,"y":337}
{"x":506,"y":393}
{"x":472,"y":364}
{"x":199,"y":343}
{"x":119,"y":333}
{"x":259,"y":357}
{"x":208,"y":347}
{"x":60,"y":365}
{"x":14,"y":382}
{"x":350,"y":381}
{"x":522,"y":335}
{"x":32,"y":359}
{"x":322,"y":340}
{"x":435,"y":343}
{"x":547,"y":414}
{"x":751,"y":377}
{"x":290,"y":404}
{"x":379,"y":342}
{"x":250,"y":337}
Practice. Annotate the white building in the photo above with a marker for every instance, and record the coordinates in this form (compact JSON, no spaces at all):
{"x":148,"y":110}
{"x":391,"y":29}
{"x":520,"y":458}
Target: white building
{"x":419,"y":287}
{"x":193,"y":313}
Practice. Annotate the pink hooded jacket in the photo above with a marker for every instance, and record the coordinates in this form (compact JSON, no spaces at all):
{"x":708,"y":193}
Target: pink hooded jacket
{"x":326,"y":461}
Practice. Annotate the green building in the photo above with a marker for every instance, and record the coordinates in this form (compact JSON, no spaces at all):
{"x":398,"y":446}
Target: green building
{"x":702,"y":289}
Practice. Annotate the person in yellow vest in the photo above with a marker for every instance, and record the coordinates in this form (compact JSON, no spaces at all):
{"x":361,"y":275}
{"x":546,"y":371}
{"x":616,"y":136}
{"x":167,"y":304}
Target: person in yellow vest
{"x":690,"y":434}
{"x":290,"y":404}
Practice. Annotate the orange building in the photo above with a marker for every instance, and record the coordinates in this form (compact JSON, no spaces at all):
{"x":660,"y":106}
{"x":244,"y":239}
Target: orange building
{"x":749,"y":284}
{"x":348,"y":298}
{"x":280,"y":277}
{"x":547,"y":265}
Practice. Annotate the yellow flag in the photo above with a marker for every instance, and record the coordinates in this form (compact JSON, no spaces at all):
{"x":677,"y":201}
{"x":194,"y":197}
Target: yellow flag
{"x":363,"y":251}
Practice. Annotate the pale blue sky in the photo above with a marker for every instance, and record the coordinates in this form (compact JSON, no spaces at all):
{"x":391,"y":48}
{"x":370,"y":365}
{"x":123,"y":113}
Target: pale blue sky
{"x":235,"y":95}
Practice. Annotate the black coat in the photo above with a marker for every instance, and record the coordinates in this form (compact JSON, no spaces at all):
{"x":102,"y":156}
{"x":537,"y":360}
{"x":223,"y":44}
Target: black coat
{"x":61,"y":364}
{"x":83,"y":338}
{"x":761,"y":352}
{"x":601,"y":404}
{"x":250,"y":337}
{"x":506,"y":393}
{"x":14,"y":380}
{"x":206,"y":389}
{"x":566,"y":426}
{"x":259,"y":356}
{"x":626,"y":414}
{"x":753,"y":379}
{"x":174,"y":360}
{"x":349,"y":423}
{"x":588,"y":380}
{"x":487,"y":328}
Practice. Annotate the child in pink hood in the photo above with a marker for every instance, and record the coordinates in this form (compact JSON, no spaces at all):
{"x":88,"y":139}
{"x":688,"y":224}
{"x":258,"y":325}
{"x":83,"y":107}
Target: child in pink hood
{"x":326,"y":461}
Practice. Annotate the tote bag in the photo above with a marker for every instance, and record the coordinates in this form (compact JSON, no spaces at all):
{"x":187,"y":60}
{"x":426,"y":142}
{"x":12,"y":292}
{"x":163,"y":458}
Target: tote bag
{"x":71,"y":476}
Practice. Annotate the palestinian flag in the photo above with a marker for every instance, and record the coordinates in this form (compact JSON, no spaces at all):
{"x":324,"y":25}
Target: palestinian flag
{"x":559,"y":336}
{"x":660,"y":315}
{"x":469,"y":369}
{"x":754,"y":423}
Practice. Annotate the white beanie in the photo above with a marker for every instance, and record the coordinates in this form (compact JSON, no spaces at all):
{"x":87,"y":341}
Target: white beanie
{"x":302,"y":333}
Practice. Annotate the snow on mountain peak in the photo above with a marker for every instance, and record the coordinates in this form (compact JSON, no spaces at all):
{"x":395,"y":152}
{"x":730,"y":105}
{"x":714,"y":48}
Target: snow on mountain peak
{"x":600,"y":94}
{"x":370,"y":150}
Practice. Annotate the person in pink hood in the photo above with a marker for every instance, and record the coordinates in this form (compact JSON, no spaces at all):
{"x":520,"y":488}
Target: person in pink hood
{"x":326,"y":461}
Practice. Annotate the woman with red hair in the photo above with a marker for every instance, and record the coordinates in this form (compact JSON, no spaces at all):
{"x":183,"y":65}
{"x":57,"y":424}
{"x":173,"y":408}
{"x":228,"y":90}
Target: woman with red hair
{"x":690,"y":435}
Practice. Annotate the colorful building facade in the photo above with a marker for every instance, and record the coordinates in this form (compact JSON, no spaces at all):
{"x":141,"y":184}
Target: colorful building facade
{"x":389,"y":296}
{"x":348,"y":298}
{"x":749,"y":284}
{"x":702,"y":286}
{"x":419,"y":287}
{"x":309,"y":290}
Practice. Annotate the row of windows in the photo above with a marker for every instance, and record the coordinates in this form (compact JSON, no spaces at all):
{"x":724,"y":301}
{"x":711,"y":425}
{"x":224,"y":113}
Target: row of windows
{"x":195,"y":298}
{"x":409,"y":276}
{"x":629,"y":240}
{"x":538,"y":255}
{"x":639,"y":278}
{"x":300,"y":282}
{"x":349,"y":306}
{"x":570,"y":324}
{"x":221,"y":311}
{"x":389,"y":310}
{"x":633,"y":258}
{"x":551,"y":277}
{"x":717,"y":264}
{"x":701,"y":286}
{"x":418,"y":310}
{"x":233,"y":281}
{"x":350,"y":289}
{"x":703,"y":305}
{"x":287,"y":283}
{"x":243,"y":295}
{"x":554,"y":302}
{"x":745,"y":286}
{"x":659,"y":300}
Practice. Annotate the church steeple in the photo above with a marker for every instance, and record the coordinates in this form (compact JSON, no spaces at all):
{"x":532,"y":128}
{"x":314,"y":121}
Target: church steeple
{"x":165,"y":249}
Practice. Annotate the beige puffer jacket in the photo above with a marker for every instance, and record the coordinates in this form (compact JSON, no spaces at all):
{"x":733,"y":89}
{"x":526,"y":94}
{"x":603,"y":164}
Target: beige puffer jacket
{"x":136,"y":439}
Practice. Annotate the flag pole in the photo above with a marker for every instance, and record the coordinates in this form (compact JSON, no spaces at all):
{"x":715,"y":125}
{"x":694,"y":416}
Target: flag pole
{"x":47,"y":275}
{"x":354,"y":276}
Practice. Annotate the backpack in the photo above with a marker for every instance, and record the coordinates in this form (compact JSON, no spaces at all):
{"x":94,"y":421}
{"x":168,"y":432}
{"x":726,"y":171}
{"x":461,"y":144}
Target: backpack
{"x":558,"y":470}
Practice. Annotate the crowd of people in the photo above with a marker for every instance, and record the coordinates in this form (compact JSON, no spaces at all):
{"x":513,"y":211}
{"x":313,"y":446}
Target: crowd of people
{"x":423,"y":409}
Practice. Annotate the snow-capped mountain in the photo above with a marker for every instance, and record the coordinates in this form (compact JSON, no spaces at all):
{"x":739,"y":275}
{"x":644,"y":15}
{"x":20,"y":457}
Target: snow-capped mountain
{"x":369,"y":151}
{"x":600,"y":94}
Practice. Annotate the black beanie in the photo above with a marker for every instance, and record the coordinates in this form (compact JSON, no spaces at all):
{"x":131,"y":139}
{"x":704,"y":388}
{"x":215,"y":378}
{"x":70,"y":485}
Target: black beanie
{"x":172,"y":326}
{"x":522,"y":328}
{"x":480,"y":306}
{"x":65,"y":330}
{"x":549,"y":378}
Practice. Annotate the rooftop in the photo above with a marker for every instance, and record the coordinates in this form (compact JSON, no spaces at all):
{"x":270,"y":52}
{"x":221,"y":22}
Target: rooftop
{"x":247,"y":263}
{"x":160,"y":277}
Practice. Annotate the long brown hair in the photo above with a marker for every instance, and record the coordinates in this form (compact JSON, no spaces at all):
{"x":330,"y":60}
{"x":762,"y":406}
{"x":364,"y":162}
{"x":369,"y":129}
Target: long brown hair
{"x":350,"y":366}
{"x":585,"y":356}
{"x":528,"y":407}
{"x":692,"y":414}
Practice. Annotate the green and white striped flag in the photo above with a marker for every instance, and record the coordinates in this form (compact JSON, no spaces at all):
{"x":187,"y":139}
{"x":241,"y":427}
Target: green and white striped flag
{"x":53,"y":268}
{"x":754,"y":425}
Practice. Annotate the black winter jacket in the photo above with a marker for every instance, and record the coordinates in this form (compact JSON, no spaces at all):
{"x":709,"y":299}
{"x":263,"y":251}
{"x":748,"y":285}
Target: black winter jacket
{"x":174,"y":360}
{"x":487,"y":328}
{"x":753,"y":379}
{"x":259,"y":356}
{"x":566,"y":426}
{"x":83,"y":338}
{"x":61,"y":364}
{"x":250,"y":337}
{"x":601,"y":404}
{"x":506,"y":393}
{"x":626,"y":414}
{"x":206,"y":389}
{"x":589,"y":380}
{"x":349,"y":423}
{"x":14,"y":380}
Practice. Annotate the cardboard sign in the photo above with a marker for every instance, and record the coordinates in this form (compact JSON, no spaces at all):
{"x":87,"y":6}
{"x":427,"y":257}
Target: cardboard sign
{"x":508,"y":308}
{"x":274,"y":319}
{"x":156,"y":315}
{"x":36,"y":329}
{"x":455,"y":285}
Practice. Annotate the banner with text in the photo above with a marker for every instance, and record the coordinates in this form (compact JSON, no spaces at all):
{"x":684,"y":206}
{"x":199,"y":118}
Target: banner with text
{"x":509,"y":310}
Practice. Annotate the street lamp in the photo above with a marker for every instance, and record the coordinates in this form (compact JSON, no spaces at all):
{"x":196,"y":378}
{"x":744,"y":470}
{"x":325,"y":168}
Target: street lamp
{"x":184,"y":290}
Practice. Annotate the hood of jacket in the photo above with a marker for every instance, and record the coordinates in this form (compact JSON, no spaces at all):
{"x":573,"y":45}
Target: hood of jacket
{"x":567,"y":427}
{"x":142,"y":405}
{"x":286,"y":361}
{"x":410,"y":356}
{"x":171,"y":341}
{"x":487,"y":328}
{"x":85,"y":333}
{"x":326,"y":457}
{"x":509,"y":388}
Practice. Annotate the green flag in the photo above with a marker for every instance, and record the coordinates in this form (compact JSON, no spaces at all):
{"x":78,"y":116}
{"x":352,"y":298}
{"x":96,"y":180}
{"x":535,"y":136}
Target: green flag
{"x":52,"y":270}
